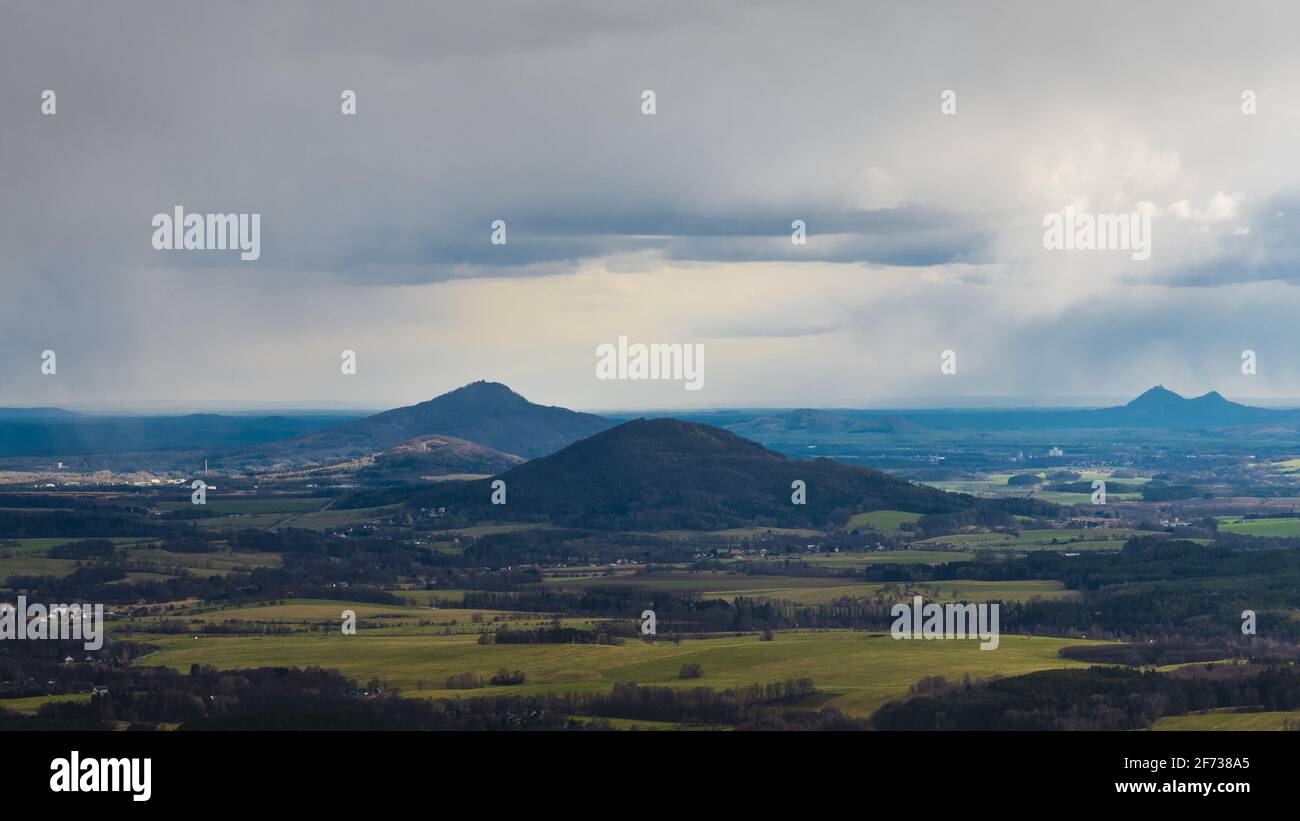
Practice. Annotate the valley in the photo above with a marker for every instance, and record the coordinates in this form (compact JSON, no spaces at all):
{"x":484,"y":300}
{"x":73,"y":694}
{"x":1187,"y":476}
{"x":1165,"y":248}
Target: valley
{"x":542,"y":601}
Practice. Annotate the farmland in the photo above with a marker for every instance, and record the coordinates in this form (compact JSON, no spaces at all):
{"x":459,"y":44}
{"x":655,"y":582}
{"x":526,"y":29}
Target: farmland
{"x":883,"y":520}
{"x":857,"y":672}
{"x":447,"y":594}
{"x":814,"y":590}
{"x":1229,"y":720}
{"x":1280,"y":527}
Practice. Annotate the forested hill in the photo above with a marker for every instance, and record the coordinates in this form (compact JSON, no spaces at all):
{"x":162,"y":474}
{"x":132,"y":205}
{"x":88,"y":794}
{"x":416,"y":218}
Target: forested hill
{"x":669,"y":474}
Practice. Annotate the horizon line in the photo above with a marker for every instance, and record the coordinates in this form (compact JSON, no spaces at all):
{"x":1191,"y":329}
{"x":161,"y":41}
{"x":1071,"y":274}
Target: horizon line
{"x":999,"y":402}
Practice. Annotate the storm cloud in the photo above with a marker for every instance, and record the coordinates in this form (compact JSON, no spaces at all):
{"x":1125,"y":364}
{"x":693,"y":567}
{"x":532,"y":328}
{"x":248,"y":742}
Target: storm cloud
{"x":924,"y":229}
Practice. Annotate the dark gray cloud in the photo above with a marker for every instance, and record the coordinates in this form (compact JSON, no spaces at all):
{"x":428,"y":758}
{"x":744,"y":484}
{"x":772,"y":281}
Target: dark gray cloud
{"x":466,"y":115}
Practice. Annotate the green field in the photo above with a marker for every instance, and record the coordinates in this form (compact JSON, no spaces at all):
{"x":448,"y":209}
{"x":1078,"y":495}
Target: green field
{"x":146,"y":563}
{"x":976,"y":591}
{"x":34,"y":703}
{"x":1070,"y":498}
{"x":981,"y":591}
{"x":641,"y":724}
{"x":266,"y":504}
{"x":309,"y":518}
{"x":487,"y":530}
{"x":1261,"y":527}
{"x":1053,"y":539}
{"x":37,"y":546}
{"x":816,"y":590}
{"x":1288,"y":466}
{"x":887,"y":521}
{"x":326,"y":519}
{"x":910,"y":556}
{"x":255,"y":521}
{"x":204,"y":564}
{"x":1225,"y":720}
{"x":35,"y":566}
{"x":376,"y":619}
{"x":995,"y":484}
{"x":703,"y":582}
{"x":857,"y":671}
{"x":736,"y":533}
{"x":435,"y":598}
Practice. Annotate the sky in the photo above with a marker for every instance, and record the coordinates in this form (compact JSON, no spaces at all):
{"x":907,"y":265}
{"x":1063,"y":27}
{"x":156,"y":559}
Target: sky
{"x":924,"y":228}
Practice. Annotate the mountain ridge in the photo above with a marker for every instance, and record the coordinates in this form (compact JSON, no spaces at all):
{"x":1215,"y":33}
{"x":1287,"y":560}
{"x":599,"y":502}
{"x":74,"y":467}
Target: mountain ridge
{"x":1161,"y":405}
{"x":481,"y":412}
{"x":493,"y":415}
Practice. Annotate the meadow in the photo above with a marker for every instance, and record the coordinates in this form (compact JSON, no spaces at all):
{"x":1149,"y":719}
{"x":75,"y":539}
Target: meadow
{"x":1052,"y":539}
{"x":27,"y":565}
{"x":40,"y":545}
{"x":887,"y":521}
{"x":995,"y":484}
{"x":704,"y":582}
{"x":146,"y":560}
{"x":1277,"y":528}
{"x":374,"y":619}
{"x":236,"y":506}
{"x":856,"y":672}
{"x":817,"y":590}
{"x":310,"y":519}
{"x":1227,"y":720}
{"x":33,"y":703}
{"x":906,"y":556}
{"x":490,"y":529}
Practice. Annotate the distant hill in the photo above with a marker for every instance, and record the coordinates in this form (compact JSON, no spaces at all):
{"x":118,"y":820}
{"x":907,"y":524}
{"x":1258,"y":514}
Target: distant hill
{"x":492,"y":415}
{"x":1161,"y":407}
{"x":36,"y":413}
{"x":1155,"y":408}
{"x":666,"y":473}
{"x":807,"y":420}
{"x":486,"y":413}
{"x":436,"y":455}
